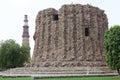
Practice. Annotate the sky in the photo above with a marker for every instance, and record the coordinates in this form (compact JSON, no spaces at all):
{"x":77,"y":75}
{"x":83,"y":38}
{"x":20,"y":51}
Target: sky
{"x":12,"y":15}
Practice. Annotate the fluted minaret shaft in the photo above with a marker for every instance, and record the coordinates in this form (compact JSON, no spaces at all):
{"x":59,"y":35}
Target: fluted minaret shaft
{"x":25,"y":35}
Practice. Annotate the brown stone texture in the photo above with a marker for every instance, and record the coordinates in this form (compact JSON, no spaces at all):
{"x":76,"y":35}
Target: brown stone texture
{"x":70,"y":37}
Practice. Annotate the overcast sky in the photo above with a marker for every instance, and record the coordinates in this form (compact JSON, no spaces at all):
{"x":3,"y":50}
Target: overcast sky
{"x":12,"y":14}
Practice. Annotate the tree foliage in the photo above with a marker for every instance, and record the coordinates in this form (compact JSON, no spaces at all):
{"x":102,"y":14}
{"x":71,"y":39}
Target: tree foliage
{"x":112,"y":46}
{"x":12,"y":54}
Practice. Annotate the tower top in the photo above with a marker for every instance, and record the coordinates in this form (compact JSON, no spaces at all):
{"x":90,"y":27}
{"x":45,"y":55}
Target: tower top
{"x":25,"y":20}
{"x":25,"y":28}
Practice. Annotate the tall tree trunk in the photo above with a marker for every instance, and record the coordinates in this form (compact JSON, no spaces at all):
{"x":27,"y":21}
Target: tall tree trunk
{"x":118,"y":70}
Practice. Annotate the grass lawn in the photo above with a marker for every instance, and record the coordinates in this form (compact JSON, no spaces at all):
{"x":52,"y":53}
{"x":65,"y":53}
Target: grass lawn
{"x":71,"y":78}
{"x":83,"y":78}
{"x":16,"y":78}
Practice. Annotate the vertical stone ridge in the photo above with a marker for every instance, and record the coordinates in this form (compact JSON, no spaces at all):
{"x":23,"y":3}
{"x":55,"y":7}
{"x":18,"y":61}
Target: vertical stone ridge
{"x":56,"y":36}
{"x":43,"y":33}
{"x":74,"y":33}
{"x":83,"y":40}
{"x":65,"y":39}
{"x":49,"y":39}
{"x":65,"y":34}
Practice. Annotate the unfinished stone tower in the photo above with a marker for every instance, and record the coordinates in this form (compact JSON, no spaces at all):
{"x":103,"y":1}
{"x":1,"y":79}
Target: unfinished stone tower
{"x":70,"y":37}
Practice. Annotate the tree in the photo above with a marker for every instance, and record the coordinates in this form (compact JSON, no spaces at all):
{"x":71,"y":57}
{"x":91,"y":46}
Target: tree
{"x":112,"y":47}
{"x":12,"y":54}
{"x":25,"y":57}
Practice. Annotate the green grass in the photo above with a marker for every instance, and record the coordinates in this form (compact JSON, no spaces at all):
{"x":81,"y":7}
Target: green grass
{"x":16,"y":78}
{"x":82,"y":78}
{"x":70,"y":78}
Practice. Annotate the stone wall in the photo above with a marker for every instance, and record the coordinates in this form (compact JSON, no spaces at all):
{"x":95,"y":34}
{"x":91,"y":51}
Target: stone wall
{"x":70,"y":37}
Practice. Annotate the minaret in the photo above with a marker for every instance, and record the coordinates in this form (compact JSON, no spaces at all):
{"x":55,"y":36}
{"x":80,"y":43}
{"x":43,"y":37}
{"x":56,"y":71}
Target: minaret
{"x":25,"y":35}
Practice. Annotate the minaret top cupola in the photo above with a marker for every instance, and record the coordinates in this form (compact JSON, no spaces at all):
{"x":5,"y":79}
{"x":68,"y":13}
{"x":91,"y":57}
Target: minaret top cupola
{"x":25,"y":20}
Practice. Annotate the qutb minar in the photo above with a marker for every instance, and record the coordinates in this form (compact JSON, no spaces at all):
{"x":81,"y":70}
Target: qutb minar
{"x":25,"y":36}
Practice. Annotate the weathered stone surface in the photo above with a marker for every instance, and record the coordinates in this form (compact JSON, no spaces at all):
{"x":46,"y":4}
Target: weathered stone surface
{"x":70,"y":37}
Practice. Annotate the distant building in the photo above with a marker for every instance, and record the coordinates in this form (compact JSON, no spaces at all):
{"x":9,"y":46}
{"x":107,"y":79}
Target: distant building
{"x":25,"y":36}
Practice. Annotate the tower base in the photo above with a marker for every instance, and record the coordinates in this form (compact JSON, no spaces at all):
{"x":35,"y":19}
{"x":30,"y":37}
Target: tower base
{"x":58,"y":72}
